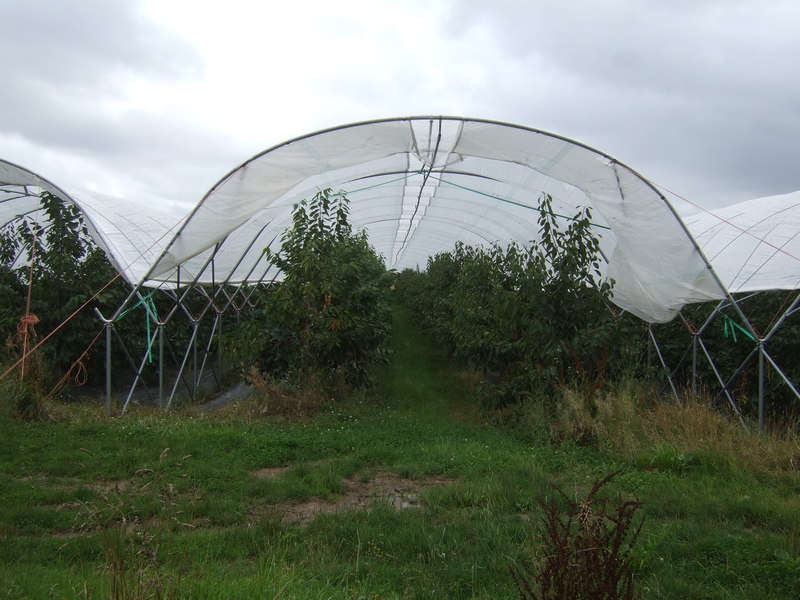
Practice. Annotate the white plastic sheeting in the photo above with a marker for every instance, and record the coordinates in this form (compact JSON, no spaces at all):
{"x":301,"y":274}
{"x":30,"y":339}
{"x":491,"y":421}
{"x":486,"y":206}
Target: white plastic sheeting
{"x":131,"y":233}
{"x":416,"y":186}
{"x":753,"y":245}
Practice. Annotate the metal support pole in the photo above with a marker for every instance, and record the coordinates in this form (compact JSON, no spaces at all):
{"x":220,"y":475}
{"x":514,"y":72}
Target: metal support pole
{"x":663,"y":362}
{"x":694,"y":365}
{"x":781,"y":374}
{"x":722,"y":384}
{"x":108,"y":324}
{"x":786,"y":314}
{"x":219,"y":349}
{"x":108,"y":369}
{"x":181,"y":369}
{"x":138,"y":370}
{"x":761,"y":375}
{"x":195,"y":374}
{"x":207,"y":353}
{"x":161,"y":365}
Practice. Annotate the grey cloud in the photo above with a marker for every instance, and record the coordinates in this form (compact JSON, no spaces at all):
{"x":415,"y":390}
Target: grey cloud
{"x":709,"y":86}
{"x":66,"y":64}
{"x":698,"y":96}
{"x":79,"y":43}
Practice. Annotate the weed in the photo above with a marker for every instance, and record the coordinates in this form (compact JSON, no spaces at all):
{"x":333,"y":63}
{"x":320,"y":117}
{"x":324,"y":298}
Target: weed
{"x":279,"y":397}
{"x":27,"y":402}
{"x":130,"y":550}
{"x":627,"y":419}
{"x":25,"y":395}
{"x":587,"y":548}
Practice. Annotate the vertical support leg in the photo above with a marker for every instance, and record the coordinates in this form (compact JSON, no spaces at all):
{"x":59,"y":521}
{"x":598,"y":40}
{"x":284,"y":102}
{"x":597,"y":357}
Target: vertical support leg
{"x":161,"y":365}
{"x":195,"y":374}
{"x":219,"y":349}
{"x":694,"y":365}
{"x":761,"y":375}
{"x":108,"y":369}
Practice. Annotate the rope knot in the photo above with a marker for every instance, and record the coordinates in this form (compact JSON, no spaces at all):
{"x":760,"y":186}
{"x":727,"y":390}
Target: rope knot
{"x":26,"y":323}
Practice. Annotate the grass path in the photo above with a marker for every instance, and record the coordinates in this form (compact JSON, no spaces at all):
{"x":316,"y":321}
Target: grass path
{"x":205,"y":500}
{"x":417,"y":380}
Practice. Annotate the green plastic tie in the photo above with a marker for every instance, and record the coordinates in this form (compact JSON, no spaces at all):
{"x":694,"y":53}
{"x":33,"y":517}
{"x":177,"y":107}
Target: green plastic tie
{"x":731,"y":326}
{"x":148,"y":302}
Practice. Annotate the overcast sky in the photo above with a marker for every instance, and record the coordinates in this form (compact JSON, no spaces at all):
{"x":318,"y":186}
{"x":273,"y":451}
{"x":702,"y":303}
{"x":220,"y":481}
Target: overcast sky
{"x":161,"y":98}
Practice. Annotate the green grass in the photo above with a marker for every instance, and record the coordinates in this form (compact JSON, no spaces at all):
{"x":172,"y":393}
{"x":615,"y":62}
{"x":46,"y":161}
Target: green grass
{"x":712,"y":530}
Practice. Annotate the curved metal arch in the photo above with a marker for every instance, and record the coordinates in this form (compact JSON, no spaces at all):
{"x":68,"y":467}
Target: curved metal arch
{"x":411,"y":119}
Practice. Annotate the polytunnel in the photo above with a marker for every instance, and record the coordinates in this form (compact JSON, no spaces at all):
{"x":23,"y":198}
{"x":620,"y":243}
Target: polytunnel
{"x":416,"y":185}
{"x":754,"y":247}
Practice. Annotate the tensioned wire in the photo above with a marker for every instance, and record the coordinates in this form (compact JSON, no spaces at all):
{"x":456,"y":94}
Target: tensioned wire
{"x":512,"y":202}
{"x":441,"y":179}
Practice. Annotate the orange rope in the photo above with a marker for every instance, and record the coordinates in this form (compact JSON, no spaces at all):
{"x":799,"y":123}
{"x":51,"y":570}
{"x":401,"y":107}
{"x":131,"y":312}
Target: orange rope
{"x":85,"y":304}
{"x":691,"y":327}
{"x":26,"y":323}
{"x":77,"y":370}
{"x":779,"y":312}
{"x":64,"y":322}
{"x":28,"y":318}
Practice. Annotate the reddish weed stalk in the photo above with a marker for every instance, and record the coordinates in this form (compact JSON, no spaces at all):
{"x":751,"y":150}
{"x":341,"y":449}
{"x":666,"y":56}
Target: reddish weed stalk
{"x":587,"y":550}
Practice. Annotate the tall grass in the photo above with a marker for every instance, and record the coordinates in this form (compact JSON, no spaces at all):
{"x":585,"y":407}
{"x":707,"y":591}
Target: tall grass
{"x":629,"y":420}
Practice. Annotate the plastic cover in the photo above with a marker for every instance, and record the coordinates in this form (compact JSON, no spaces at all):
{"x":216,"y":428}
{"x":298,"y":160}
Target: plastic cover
{"x":753,"y":245}
{"x":417,"y":185}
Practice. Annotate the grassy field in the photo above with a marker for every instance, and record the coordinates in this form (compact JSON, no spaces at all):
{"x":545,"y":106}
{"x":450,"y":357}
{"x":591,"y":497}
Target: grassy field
{"x":402,"y":492}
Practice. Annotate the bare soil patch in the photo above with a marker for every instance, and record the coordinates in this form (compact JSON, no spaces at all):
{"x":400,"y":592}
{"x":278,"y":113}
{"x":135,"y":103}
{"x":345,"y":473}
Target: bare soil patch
{"x":399,"y":493}
{"x":269,"y":472}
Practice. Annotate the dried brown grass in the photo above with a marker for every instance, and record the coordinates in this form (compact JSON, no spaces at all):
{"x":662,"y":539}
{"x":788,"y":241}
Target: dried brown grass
{"x":631,"y":421}
{"x":276,"y":398}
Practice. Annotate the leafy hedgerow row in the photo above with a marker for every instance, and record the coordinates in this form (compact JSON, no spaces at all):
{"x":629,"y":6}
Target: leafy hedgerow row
{"x":540,"y":316}
{"x":534,"y":317}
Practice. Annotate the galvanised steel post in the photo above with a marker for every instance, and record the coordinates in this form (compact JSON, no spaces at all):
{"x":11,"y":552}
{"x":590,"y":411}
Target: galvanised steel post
{"x":108,"y":326}
{"x":161,"y":365}
{"x":694,"y":365}
{"x":761,"y":375}
{"x":219,"y":348}
{"x":195,"y":374}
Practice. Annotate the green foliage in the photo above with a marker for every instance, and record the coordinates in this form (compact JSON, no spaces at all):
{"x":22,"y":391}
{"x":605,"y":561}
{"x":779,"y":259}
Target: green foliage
{"x":52,"y":253}
{"x":329,"y":317}
{"x":538,"y":316}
